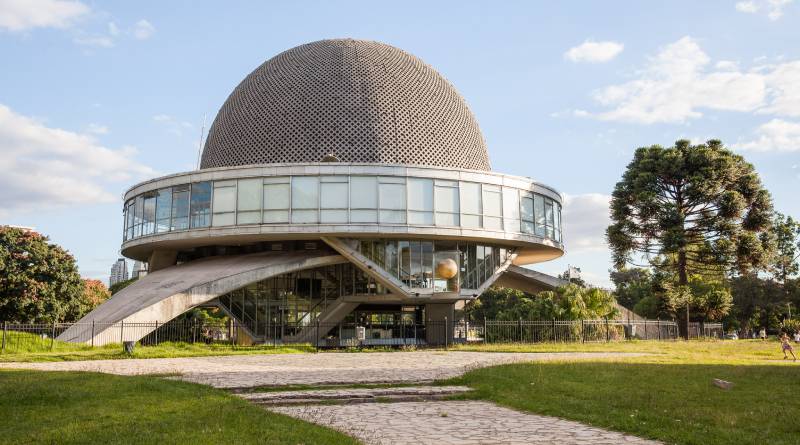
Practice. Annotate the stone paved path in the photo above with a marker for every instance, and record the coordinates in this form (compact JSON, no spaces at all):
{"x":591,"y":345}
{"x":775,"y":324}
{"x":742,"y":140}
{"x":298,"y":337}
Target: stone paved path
{"x":240,"y":371}
{"x":350,"y":395}
{"x":453,"y":422}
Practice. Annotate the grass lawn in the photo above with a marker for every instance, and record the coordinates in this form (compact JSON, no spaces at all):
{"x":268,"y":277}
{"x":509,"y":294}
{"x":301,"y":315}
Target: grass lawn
{"x":38,"y":351}
{"x":666,"y":396}
{"x":87,"y":408}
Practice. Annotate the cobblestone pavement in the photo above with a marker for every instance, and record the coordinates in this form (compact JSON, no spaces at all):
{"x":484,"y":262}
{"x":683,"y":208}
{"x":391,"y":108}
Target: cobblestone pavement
{"x":240,"y":371}
{"x":453,"y":422}
{"x":346,"y":395}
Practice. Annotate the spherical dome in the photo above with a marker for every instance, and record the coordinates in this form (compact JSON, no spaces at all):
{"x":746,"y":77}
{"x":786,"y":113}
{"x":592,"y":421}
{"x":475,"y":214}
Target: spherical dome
{"x":347,"y":100}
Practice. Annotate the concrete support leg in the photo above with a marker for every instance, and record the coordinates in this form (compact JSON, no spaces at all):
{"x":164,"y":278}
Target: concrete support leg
{"x":161,"y":259}
{"x":439,"y":323}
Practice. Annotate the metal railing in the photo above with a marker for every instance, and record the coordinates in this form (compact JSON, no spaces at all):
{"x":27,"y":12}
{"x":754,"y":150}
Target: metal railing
{"x":31,"y":337}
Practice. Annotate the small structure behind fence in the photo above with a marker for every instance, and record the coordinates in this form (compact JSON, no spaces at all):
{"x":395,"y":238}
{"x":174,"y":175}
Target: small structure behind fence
{"x":32,"y":337}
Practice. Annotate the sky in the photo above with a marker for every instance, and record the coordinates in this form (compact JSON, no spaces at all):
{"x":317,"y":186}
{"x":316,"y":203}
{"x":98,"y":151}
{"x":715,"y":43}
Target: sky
{"x":96,"y":96}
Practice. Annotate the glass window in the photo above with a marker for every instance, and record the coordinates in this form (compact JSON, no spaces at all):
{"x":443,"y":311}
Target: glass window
{"x":305,"y":192}
{"x":492,"y":207}
{"x":333,"y":216}
{"x":526,"y":212}
{"x":420,"y":201}
{"x":392,"y":196}
{"x":549,"y":219}
{"x":333,"y":192}
{"x":393,"y":216}
{"x":538,"y":211}
{"x":163,"y":209}
{"x":224,"y":203}
{"x":129,"y":217}
{"x":249,"y":194}
{"x":138,"y":216}
{"x":248,"y":201}
{"x":511,"y":208}
{"x":557,"y":216}
{"x":200,"y":205}
{"x":363,"y":192}
{"x":446,"y":203}
{"x":363,"y":216}
{"x":149,"y":221}
{"x":180,"y":207}
{"x":470,"y":198}
{"x":276,"y":200}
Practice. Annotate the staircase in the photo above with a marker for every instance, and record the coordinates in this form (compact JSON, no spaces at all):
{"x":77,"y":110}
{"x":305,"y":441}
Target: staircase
{"x":334,"y":313}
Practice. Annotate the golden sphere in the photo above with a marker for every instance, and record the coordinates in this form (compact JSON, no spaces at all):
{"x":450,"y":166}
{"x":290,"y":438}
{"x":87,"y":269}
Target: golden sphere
{"x":446,"y":268}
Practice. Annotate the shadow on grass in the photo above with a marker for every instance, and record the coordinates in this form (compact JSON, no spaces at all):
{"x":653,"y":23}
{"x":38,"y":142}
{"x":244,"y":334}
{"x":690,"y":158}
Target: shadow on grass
{"x":675,"y":403}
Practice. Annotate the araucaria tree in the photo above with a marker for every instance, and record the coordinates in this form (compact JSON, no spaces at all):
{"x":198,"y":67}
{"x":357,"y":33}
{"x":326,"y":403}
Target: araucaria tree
{"x":692,"y":209}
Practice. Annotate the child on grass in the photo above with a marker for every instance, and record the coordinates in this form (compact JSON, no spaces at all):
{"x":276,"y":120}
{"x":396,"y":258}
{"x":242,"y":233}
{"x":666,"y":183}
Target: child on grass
{"x":785,"y":346}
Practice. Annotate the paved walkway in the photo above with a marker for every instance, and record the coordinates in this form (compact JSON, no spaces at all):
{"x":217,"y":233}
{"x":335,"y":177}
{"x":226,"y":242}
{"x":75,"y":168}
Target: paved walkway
{"x":454,"y":422}
{"x":241,"y":371}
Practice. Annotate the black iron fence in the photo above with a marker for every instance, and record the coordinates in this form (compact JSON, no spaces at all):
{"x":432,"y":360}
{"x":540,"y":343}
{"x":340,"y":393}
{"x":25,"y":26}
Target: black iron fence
{"x":30,"y":337}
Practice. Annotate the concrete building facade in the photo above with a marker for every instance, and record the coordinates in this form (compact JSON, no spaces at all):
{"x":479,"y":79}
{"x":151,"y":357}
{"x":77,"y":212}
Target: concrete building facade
{"x":119,"y":272}
{"x":343,"y":182}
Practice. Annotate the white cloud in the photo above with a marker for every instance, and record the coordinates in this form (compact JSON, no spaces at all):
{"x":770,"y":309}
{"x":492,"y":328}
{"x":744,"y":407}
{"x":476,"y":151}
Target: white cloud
{"x":96,"y":41}
{"x":773,"y":8}
{"x":97,"y":129}
{"x":113,"y":29}
{"x":775,"y":135}
{"x":42,"y":167}
{"x":586,"y":218}
{"x":21,"y":15}
{"x":594,"y":52}
{"x":680,"y":82}
{"x":173,"y":125}
{"x":143,"y":30}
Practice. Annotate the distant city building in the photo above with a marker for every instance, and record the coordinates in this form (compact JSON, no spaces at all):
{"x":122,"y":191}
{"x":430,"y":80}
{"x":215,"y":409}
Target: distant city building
{"x":119,"y":272}
{"x":139,"y":269}
{"x":344,"y":183}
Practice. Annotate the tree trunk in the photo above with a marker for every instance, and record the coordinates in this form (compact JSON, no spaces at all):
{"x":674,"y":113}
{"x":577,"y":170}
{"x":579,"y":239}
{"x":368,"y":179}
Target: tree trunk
{"x":683,"y":280}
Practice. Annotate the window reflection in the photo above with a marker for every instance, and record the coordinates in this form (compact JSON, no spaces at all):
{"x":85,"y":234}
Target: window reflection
{"x":200,"y":205}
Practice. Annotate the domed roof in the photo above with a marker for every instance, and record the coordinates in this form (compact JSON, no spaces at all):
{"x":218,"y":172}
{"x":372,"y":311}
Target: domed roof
{"x":357,"y":100}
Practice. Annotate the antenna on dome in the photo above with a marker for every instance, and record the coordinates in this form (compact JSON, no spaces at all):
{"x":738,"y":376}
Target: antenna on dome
{"x":200,"y":145}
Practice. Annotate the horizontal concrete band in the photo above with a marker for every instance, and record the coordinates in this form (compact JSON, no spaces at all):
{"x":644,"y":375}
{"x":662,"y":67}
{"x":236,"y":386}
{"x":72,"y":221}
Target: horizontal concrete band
{"x":342,"y":168}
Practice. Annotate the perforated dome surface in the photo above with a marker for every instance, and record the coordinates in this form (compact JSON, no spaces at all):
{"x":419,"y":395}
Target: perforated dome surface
{"x":362,"y":101}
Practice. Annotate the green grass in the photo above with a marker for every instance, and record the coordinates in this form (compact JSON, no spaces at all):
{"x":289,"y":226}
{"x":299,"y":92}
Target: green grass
{"x":25,"y":347}
{"x":87,"y":408}
{"x":667,"y":395}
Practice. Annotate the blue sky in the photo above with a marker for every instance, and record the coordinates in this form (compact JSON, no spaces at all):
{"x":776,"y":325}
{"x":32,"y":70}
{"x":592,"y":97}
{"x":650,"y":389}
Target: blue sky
{"x":96,"y":96}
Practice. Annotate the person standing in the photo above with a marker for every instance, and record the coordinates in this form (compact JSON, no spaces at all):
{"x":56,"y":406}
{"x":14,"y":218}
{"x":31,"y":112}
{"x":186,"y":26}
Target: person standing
{"x":762,"y":334}
{"x":787,"y":347}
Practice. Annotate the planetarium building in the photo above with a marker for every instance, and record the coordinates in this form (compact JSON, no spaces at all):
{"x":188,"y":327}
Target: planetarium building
{"x":342,"y":182}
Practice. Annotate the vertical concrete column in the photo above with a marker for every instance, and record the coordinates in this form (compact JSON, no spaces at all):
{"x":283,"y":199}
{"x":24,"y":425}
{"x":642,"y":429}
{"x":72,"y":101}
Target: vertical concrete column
{"x":436,"y":330}
{"x":161,"y":259}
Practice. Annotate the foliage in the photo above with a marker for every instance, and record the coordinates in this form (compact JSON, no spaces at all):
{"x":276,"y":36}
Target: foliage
{"x":632,"y":285}
{"x":790,"y":326}
{"x":118,"y":286}
{"x":94,"y":293}
{"x":40,"y":281}
{"x":694,"y":208}
{"x":759,"y":302}
{"x":94,"y":408}
{"x":570,"y":302}
{"x":787,"y":245}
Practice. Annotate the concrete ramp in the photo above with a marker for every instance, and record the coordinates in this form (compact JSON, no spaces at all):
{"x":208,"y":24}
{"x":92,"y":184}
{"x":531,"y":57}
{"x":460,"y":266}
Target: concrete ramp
{"x":333,"y":314}
{"x":167,"y":293}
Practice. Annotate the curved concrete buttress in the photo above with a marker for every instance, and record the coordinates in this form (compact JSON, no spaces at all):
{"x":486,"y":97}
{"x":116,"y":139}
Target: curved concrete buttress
{"x":163,"y":295}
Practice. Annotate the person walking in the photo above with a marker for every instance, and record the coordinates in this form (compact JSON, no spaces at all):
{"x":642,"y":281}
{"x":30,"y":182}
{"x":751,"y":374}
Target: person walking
{"x":786,"y":346}
{"x":762,"y":334}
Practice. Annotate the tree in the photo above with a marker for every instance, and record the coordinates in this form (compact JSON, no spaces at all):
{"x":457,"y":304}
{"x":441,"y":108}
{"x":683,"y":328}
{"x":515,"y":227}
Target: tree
{"x":632,"y":284}
{"x":787,"y":245}
{"x":40,"y":281}
{"x":694,"y":209}
{"x":570,"y":302}
{"x":118,"y":286}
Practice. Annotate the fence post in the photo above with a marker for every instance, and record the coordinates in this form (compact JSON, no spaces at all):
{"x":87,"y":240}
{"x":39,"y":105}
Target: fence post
{"x":5,"y":328}
{"x":122,"y":331}
{"x":92,"y":340}
{"x":485,"y":331}
{"x":608,"y":334}
{"x":554,"y":330}
{"x":583,"y":335}
{"x":194,"y":331}
{"x":445,"y":333}
{"x":316,"y":338}
{"x":658,"y":324}
{"x":52,"y":335}
{"x":156,"y":333}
